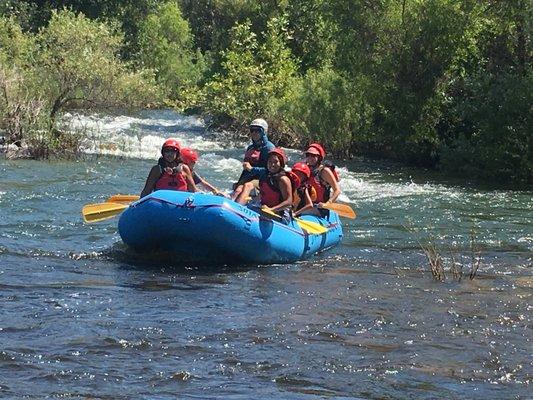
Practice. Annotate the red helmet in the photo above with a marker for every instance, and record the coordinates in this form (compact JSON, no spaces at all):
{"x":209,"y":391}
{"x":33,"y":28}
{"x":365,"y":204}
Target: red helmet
{"x":188,"y":156}
{"x":303,"y":168}
{"x":171,"y":143}
{"x":316,"y":148}
{"x":281,"y":155}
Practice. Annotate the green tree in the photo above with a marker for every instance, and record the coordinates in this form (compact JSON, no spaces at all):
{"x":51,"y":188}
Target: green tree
{"x":211,"y":20}
{"x":486,"y":120}
{"x":165,"y":45}
{"x":21,"y":104}
{"x":255,"y":76}
{"x":80,"y":67}
{"x":71,"y":63}
{"x":331,"y":109}
{"x":312,"y":30}
{"x":491,"y":137}
{"x":35,"y":14}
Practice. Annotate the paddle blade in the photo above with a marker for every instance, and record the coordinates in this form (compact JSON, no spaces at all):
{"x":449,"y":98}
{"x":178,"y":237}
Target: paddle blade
{"x":310,"y":227}
{"x":101,"y":211}
{"x":123,"y":198}
{"x":344,"y":210}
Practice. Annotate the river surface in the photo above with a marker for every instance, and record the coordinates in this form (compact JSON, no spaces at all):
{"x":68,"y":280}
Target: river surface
{"x":83,"y":317}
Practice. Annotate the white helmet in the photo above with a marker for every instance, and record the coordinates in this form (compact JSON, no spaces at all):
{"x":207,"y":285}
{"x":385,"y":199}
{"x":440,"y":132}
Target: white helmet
{"x":261,"y":123}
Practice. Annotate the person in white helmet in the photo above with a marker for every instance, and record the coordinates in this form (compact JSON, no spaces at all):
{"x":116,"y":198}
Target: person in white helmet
{"x":256,"y":155}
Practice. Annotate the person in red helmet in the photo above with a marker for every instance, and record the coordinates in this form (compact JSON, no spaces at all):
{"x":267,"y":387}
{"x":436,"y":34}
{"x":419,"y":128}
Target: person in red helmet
{"x":275,"y":187}
{"x":169,"y":173}
{"x":190,"y":157}
{"x":304,"y":194}
{"x":322,"y":178}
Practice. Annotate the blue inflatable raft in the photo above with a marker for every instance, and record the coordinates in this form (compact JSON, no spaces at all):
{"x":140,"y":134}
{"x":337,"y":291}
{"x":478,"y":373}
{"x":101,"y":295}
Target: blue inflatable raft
{"x":198,"y":226}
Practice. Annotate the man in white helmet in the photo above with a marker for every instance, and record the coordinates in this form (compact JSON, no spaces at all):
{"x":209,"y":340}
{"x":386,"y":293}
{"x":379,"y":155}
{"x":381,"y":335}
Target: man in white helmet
{"x":256,"y":153}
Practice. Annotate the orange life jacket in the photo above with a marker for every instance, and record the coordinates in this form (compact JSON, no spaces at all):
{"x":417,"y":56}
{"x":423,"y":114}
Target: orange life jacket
{"x":299,"y":196}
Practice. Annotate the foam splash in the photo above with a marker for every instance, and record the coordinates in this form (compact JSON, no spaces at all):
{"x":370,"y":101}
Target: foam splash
{"x":141,"y":136}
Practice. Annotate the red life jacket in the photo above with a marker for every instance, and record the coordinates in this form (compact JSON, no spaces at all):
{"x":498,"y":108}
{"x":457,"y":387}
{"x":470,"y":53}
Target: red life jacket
{"x":252,"y":156}
{"x":322,"y":188}
{"x":171,"y":181}
{"x":270,"y":191}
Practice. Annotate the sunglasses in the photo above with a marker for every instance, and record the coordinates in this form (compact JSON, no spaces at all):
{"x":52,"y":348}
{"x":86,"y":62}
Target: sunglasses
{"x":170,"y":150}
{"x":255,"y":130}
{"x":311,"y":155}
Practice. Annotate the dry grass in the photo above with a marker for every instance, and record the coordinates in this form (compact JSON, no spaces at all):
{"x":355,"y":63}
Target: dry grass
{"x":440,"y":265}
{"x":476,"y":255}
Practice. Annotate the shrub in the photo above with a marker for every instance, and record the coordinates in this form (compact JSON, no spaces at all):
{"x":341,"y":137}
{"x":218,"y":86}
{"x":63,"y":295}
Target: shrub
{"x":71,"y":63}
{"x":255,"y":77}
{"x":165,"y":43}
{"x":21,"y":103}
{"x":490,"y":128}
{"x":328,"y":108}
{"x":79,"y":65}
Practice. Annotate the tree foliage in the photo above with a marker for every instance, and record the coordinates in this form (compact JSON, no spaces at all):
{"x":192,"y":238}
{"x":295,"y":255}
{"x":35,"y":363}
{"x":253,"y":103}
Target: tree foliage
{"x":442,"y":83}
{"x":79,"y":62}
{"x":255,"y":75}
{"x":165,"y":45}
{"x":73,"y":62}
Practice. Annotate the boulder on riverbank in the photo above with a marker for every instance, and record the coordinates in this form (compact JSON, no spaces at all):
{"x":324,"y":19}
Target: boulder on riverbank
{"x":16,"y":152}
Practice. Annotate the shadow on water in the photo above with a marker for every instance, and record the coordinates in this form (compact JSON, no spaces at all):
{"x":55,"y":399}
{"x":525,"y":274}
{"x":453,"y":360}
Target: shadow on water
{"x":172,"y":263}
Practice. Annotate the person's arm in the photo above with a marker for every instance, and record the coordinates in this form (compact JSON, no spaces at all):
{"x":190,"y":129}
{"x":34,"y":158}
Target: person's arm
{"x":265,"y":149}
{"x":186,"y":171}
{"x":246,"y":175}
{"x":153,"y":176}
{"x":328,"y":176}
{"x":286,"y":194}
{"x":206,"y":184}
{"x":258,"y":172}
{"x":308,"y":203}
{"x":254,"y":172}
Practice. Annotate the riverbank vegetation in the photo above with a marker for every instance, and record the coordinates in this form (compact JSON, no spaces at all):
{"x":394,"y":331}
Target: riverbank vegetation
{"x":446,"y":259}
{"x":73,"y":62}
{"x":439,"y":83}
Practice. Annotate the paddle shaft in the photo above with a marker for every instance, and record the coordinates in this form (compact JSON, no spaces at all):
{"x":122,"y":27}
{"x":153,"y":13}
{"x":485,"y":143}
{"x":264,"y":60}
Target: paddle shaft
{"x":309,"y":226}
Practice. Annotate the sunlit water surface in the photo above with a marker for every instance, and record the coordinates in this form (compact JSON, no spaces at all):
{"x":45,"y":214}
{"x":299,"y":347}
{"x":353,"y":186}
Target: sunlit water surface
{"x":84,"y":317}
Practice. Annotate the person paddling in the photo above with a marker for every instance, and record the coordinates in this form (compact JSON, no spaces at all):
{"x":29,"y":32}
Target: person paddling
{"x":304,"y":194}
{"x":322,"y":177}
{"x":256,"y":155}
{"x":190,"y":157}
{"x":275,"y":187}
{"x":170,"y":173}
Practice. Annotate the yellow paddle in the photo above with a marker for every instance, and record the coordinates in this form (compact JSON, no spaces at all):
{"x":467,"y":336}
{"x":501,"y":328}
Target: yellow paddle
{"x":344,"y":210}
{"x":308,"y":226}
{"x":123,"y":198}
{"x":311,"y":227}
{"x":101,"y":211}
